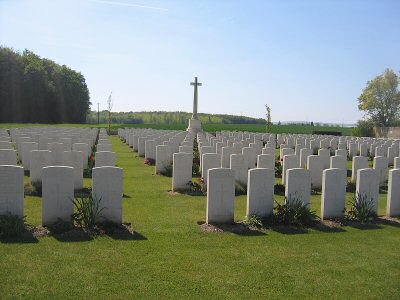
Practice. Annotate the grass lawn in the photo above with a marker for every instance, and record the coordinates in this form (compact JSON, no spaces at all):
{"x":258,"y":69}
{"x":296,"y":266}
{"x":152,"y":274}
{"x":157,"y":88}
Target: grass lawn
{"x":170,"y":257}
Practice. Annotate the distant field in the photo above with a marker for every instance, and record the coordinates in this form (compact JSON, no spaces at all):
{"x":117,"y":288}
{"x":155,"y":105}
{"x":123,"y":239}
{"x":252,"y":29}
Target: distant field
{"x":304,"y":129}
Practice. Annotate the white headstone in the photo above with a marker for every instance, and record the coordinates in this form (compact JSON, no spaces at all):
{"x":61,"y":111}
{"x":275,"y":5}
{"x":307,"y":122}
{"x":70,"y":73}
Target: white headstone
{"x":289,"y":162}
{"x":26,"y":148}
{"x":220,"y":196}
{"x":359,"y":162}
{"x":163,"y":158}
{"x":5,"y":145}
{"x":393,"y":196}
{"x":57,"y":194}
{"x":367,"y":186}
{"x":266,"y":161}
{"x":339,"y":162}
{"x":315,"y":166}
{"x":74,"y":159}
{"x":381,"y":165}
{"x":84,"y":148}
{"x":210,"y":161}
{"x":333,"y":200}
{"x":105,"y":159}
{"x":39,"y":160}
{"x":108,"y":189}
{"x":298,"y":185}
{"x":12,"y":190}
{"x":8,"y":157}
{"x":182,"y":171}
{"x":239,"y":164}
{"x":260,"y":192}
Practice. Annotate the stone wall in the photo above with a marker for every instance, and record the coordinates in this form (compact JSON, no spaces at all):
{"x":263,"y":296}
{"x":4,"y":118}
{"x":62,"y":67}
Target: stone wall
{"x":387,"y":132}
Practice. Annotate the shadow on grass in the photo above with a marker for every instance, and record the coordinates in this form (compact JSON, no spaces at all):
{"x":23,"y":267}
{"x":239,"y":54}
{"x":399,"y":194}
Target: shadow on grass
{"x":74,"y":235}
{"x":236,"y":228}
{"x":378,"y":223}
{"x":27,"y":237}
{"x":328,"y":227}
{"x":127,"y":235}
{"x":123,"y":232}
{"x":126,"y":196}
{"x":290,"y":230}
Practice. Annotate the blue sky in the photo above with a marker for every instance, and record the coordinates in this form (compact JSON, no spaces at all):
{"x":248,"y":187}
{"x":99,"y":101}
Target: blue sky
{"x":309,"y":60}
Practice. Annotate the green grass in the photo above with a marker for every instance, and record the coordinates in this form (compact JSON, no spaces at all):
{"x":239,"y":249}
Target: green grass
{"x":299,"y":129}
{"x":171,"y":257}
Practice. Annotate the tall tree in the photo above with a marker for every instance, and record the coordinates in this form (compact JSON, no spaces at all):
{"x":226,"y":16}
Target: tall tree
{"x":268,"y":117}
{"x":37,"y":90}
{"x":109,"y":108}
{"x":381,"y":99}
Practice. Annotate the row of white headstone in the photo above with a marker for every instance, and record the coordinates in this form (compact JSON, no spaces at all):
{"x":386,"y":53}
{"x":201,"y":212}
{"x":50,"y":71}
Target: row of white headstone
{"x":260,"y":192}
{"x":58,"y":192}
{"x":165,"y":148}
{"x":59,"y":172}
{"x":323,"y":171}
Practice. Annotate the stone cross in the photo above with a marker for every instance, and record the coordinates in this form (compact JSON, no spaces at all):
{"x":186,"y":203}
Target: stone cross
{"x":195,"y":84}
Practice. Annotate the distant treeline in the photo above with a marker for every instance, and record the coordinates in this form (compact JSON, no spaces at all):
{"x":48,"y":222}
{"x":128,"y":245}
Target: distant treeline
{"x":37,"y":90}
{"x":162,"y":117}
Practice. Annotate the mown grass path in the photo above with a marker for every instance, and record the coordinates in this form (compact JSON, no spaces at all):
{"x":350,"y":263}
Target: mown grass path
{"x":170,"y":257}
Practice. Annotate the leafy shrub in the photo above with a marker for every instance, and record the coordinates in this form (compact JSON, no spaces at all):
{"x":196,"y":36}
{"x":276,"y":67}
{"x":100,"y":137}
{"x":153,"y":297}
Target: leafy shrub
{"x":364,"y":128}
{"x":167,"y":170}
{"x":195,"y":169}
{"x":196,"y":153}
{"x":278,"y":169}
{"x":361,"y":209}
{"x":196,"y":189}
{"x":149,"y":162}
{"x":294,"y":212}
{"x":11,"y":225}
{"x":33,"y":189}
{"x":240,"y":189}
{"x":61,"y":226}
{"x":88,"y":212}
{"x":253,"y":222}
{"x":351,"y":187}
{"x":279,"y":189}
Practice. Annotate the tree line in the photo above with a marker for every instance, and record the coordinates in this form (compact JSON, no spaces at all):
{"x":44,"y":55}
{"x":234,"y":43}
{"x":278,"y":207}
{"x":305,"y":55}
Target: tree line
{"x":38,"y":90}
{"x":170,"y":118}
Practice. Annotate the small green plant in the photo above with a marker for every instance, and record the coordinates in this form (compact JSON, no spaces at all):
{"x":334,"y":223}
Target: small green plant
{"x":294,"y":212}
{"x":196,"y":189}
{"x":351,"y":187}
{"x":11,"y":225}
{"x":167,"y":170}
{"x":361,"y":209}
{"x":87,"y":173}
{"x":195,"y":170}
{"x":240,"y":188}
{"x":253,"y":222}
{"x":33,"y":189}
{"x":88,"y":212}
{"x":279,"y":189}
{"x":278,"y":169}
